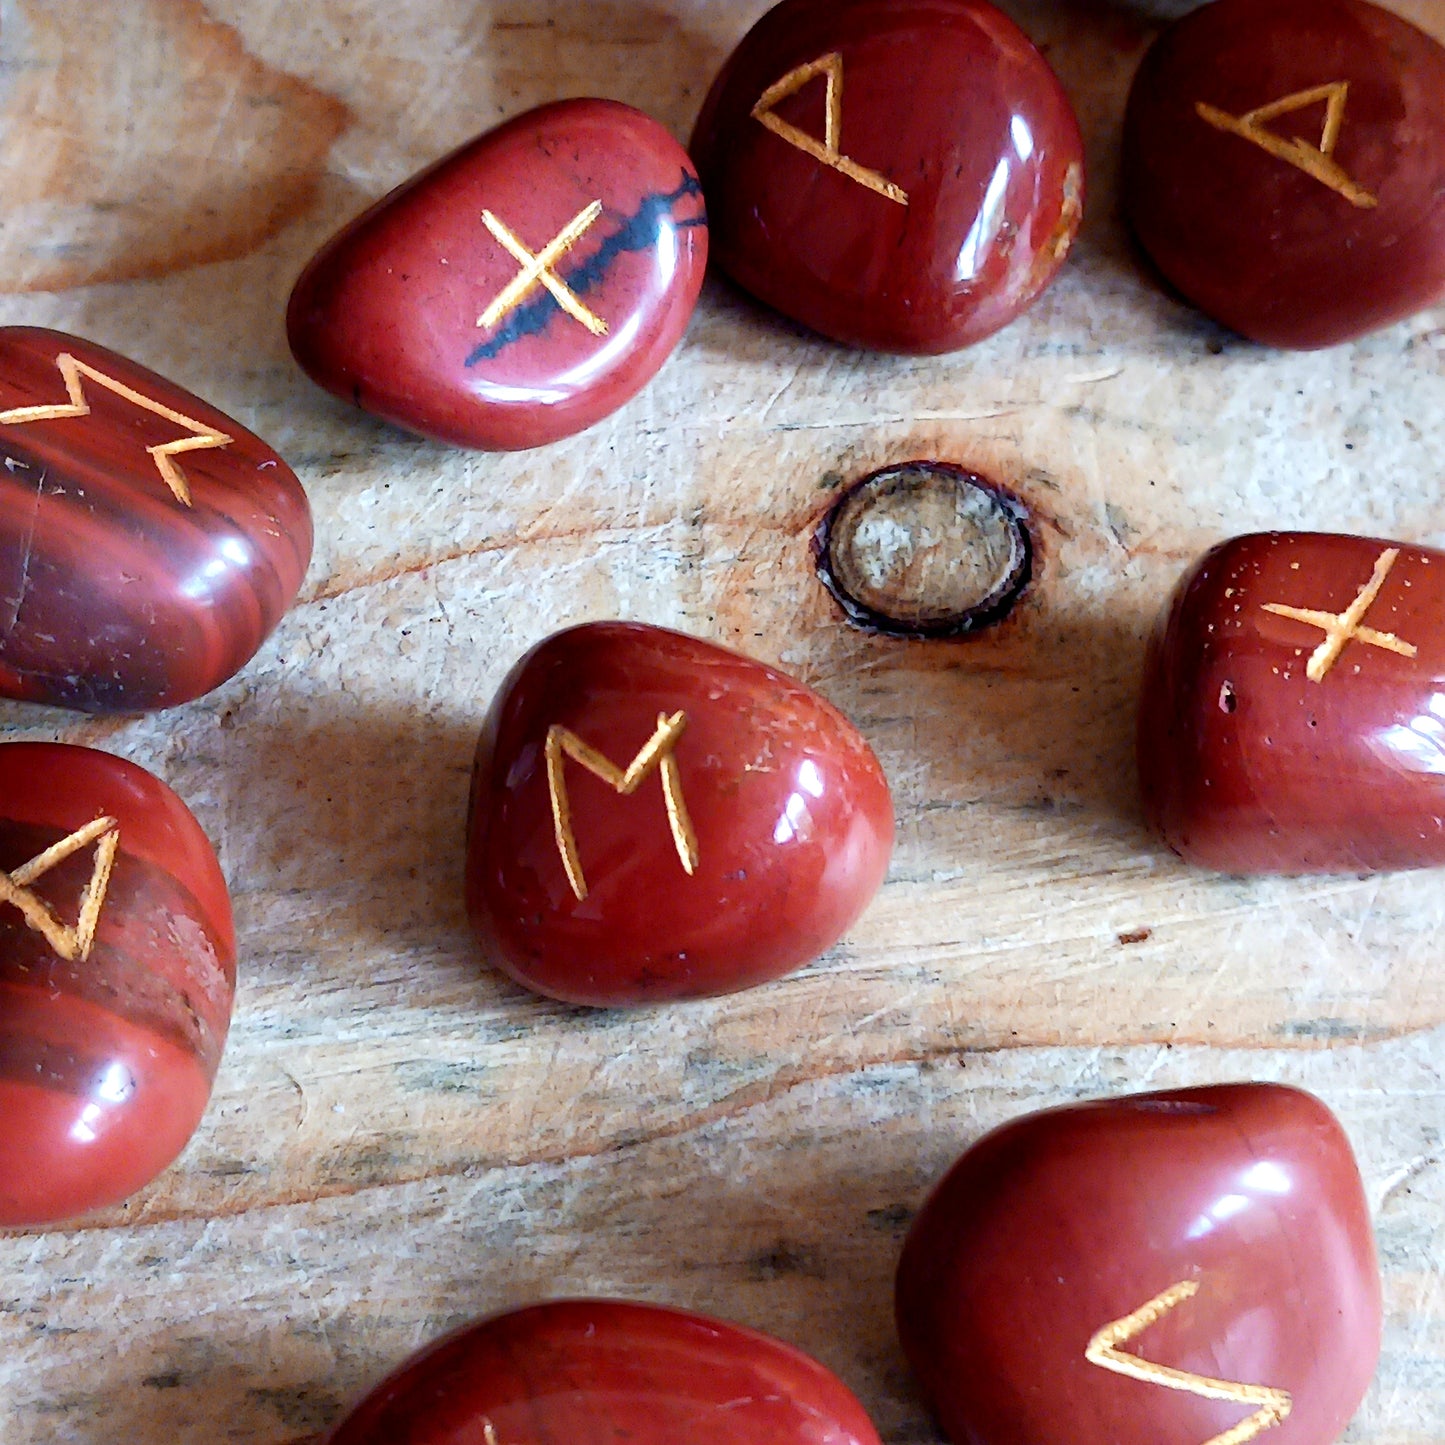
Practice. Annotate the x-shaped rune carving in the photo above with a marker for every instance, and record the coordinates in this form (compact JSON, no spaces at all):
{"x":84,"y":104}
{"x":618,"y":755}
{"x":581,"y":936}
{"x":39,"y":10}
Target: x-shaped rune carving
{"x":1342,"y":628}
{"x":163,"y":454}
{"x":537,"y":270}
{"x":1317,"y":161}
{"x":1103,"y":1350}
{"x":70,"y":943}
{"x":656,"y":754}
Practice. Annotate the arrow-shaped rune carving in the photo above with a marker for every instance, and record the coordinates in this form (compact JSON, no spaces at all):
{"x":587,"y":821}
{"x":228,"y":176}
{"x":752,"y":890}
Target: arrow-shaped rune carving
{"x":164,"y":454}
{"x":1103,"y":1350}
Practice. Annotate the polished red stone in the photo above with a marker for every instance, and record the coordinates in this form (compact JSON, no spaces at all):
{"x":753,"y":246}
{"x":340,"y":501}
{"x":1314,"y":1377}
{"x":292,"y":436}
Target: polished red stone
{"x":950,"y":192}
{"x":1221,"y":1232}
{"x":584,"y":1370}
{"x":418,"y":311}
{"x":148,"y":543}
{"x":1264,"y":747}
{"x":1295,"y":227}
{"x":108,"y":1045}
{"x":754,"y":833}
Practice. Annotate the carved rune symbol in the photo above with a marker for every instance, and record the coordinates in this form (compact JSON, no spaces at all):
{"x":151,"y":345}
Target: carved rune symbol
{"x":1103,"y":1350}
{"x":163,"y":455}
{"x":70,"y":943}
{"x":537,"y":270}
{"x":1317,"y":161}
{"x":656,"y":753}
{"x":1342,"y":628}
{"x":825,"y":150}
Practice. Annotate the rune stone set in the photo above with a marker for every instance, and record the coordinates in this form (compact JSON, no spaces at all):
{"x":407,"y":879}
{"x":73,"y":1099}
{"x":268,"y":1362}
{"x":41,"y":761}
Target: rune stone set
{"x":655,"y":818}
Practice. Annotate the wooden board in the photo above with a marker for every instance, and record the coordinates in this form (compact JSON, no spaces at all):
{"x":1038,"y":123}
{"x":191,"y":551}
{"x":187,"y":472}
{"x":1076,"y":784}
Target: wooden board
{"x":399,"y":1139}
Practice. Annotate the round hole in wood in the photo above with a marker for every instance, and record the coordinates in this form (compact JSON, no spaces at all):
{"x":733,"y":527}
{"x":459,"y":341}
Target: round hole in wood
{"x":926,"y":549}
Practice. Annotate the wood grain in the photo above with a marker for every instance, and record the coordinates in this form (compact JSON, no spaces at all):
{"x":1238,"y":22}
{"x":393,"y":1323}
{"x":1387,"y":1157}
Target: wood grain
{"x":400,"y":1139}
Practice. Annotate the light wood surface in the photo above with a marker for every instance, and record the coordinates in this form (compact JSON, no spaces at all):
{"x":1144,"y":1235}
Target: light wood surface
{"x":401,"y":1140}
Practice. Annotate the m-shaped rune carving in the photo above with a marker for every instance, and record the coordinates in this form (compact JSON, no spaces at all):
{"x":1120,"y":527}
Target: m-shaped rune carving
{"x":1317,"y":161}
{"x":72,"y":369}
{"x":656,"y":754}
{"x":1103,"y":1350}
{"x":537,"y":270}
{"x":70,"y":943}
{"x":1343,"y":628}
{"x":827,"y":150}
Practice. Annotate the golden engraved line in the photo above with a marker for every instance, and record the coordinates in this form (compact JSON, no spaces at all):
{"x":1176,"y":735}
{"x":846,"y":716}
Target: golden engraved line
{"x":1342,"y":628}
{"x":826,"y":150}
{"x":70,"y":943}
{"x":656,"y":753}
{"x":537,"y":270}
{"x":72,"y":370}
{"x":1103,"y":1350}
{"x":1316,"y":161}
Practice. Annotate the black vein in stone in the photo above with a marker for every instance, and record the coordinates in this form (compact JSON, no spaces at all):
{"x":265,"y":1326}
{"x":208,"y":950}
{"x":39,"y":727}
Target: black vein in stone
{"x":638,"y":233}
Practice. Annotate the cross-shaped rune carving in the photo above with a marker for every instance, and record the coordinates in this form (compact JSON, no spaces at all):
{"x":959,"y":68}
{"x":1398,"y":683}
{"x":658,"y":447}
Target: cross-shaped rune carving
{"x":70,"y":943}
{"x":537,"y":270}
{"x":1317,"y":161}
{"x":1342,"y":628}
{"x":656,"y":754}
{"x":72,"y":369}
{"x":827,"y":150}
{"x":1103,"y":1350}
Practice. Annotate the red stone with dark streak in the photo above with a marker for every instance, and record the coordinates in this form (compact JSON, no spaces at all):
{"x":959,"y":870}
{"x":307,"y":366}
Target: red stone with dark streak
{"x":392,"y":313}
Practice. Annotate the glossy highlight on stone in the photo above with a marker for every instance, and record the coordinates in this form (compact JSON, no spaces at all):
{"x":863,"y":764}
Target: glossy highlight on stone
{"x":1292,"y":715}
{"x":1284,"y":166}
{"x":1194,"y":1267}
{"x":905,"y":175}
{"x":517,"y":291}
{"x":117,"y":970}
{"x":605,"y":1369}
{"x":654,"y":817}
{"x":148,"y":543}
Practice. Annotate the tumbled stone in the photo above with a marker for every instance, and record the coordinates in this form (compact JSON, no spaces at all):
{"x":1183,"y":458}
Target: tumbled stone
{"x":1292,"y":717}
{"x":148,"y":543}
{"x":1284,"y":166}
{"x":607,"y":1370}
{"x":899,"y":174}
{"x":1193,"y":1267}
{"x":117,"y":970}
{"x":517,"y":291}
{"x":654,"y":817}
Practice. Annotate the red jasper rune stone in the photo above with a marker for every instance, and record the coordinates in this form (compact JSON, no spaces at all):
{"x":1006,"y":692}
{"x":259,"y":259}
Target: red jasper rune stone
{"x":584,"y":1370}
{"x":1293,"y":710}
{"x":117,"y":969}
{"x":899,"y":174}
{"x":655,"y":818}
{"x":1184,"y":1268}
{"x":520,"y":289}
{"x":148,"y":543}
{"x":1284,"y":166}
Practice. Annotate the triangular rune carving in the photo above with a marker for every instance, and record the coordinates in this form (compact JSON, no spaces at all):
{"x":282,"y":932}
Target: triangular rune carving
{"x":1103,"y":1350}
{"x":163,"y":455}
{"x":1317,"y":161}
{"x":70,"y":943}
{"x":827,"y":150}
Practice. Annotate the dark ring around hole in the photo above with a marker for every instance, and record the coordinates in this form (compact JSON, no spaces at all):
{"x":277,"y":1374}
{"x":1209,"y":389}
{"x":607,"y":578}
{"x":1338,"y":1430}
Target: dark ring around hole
{"x":988,"y":611}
